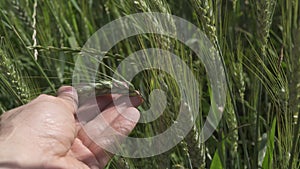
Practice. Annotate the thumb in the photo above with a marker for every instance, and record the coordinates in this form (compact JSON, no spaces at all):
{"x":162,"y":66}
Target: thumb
{"x":69,"y":95}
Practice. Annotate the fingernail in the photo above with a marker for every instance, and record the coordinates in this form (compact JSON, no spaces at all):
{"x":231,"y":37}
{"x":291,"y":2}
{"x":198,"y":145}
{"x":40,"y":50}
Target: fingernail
{"x":132,"y":114}
{"x":66,"y":89}
{"x":136,"y":100}
{"x":68,"y":92}
{"x":95,"y":167}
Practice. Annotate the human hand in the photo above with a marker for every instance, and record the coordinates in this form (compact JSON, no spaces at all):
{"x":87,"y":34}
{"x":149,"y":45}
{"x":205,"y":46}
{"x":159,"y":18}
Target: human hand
{"x":46,"y":134}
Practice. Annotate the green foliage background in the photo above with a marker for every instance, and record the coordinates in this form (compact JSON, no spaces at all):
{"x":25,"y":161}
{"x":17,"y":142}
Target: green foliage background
{"x":259,"y":42}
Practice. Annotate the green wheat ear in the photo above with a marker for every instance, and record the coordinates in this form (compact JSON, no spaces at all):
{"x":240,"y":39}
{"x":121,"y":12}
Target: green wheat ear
{"x":11,"y":80}
{"x":196,"y":150}
{"x":22,"y":15}
{"x":265,"y":11}
{"x":206,"y":17}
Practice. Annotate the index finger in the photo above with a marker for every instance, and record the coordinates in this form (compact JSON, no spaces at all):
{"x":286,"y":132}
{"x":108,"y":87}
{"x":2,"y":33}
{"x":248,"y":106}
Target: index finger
{"x":91,"y":107}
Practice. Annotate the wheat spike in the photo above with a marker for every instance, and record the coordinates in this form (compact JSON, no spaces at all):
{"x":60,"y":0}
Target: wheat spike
{"x":233,"y":136}
{"x":21,"y":14}
{"x":265,"y":10}
{"x":234,"y":5}
{"x":196,"y":150}
{"x":205,"y":13}
{"x":15,"y":84}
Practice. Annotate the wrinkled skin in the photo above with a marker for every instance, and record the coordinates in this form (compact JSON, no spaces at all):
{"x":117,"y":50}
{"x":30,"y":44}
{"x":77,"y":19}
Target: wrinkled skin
{"x":46,"y":134}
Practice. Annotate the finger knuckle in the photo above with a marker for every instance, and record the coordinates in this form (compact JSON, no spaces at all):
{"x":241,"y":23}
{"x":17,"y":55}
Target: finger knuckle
{"x":46,"y":97}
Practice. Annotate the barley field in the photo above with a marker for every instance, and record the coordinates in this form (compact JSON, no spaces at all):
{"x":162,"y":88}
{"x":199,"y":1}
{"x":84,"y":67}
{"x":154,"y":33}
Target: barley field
{"x":258,"y":43}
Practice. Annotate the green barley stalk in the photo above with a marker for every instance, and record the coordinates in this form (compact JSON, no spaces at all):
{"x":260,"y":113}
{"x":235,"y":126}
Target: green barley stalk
{"x":264,"y":10}
{"x":294,"y":95}
{"x":118,"y":9}
{"x":294,"y":74}
{"x":207,"y":19}
{"x":287,"y":82}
